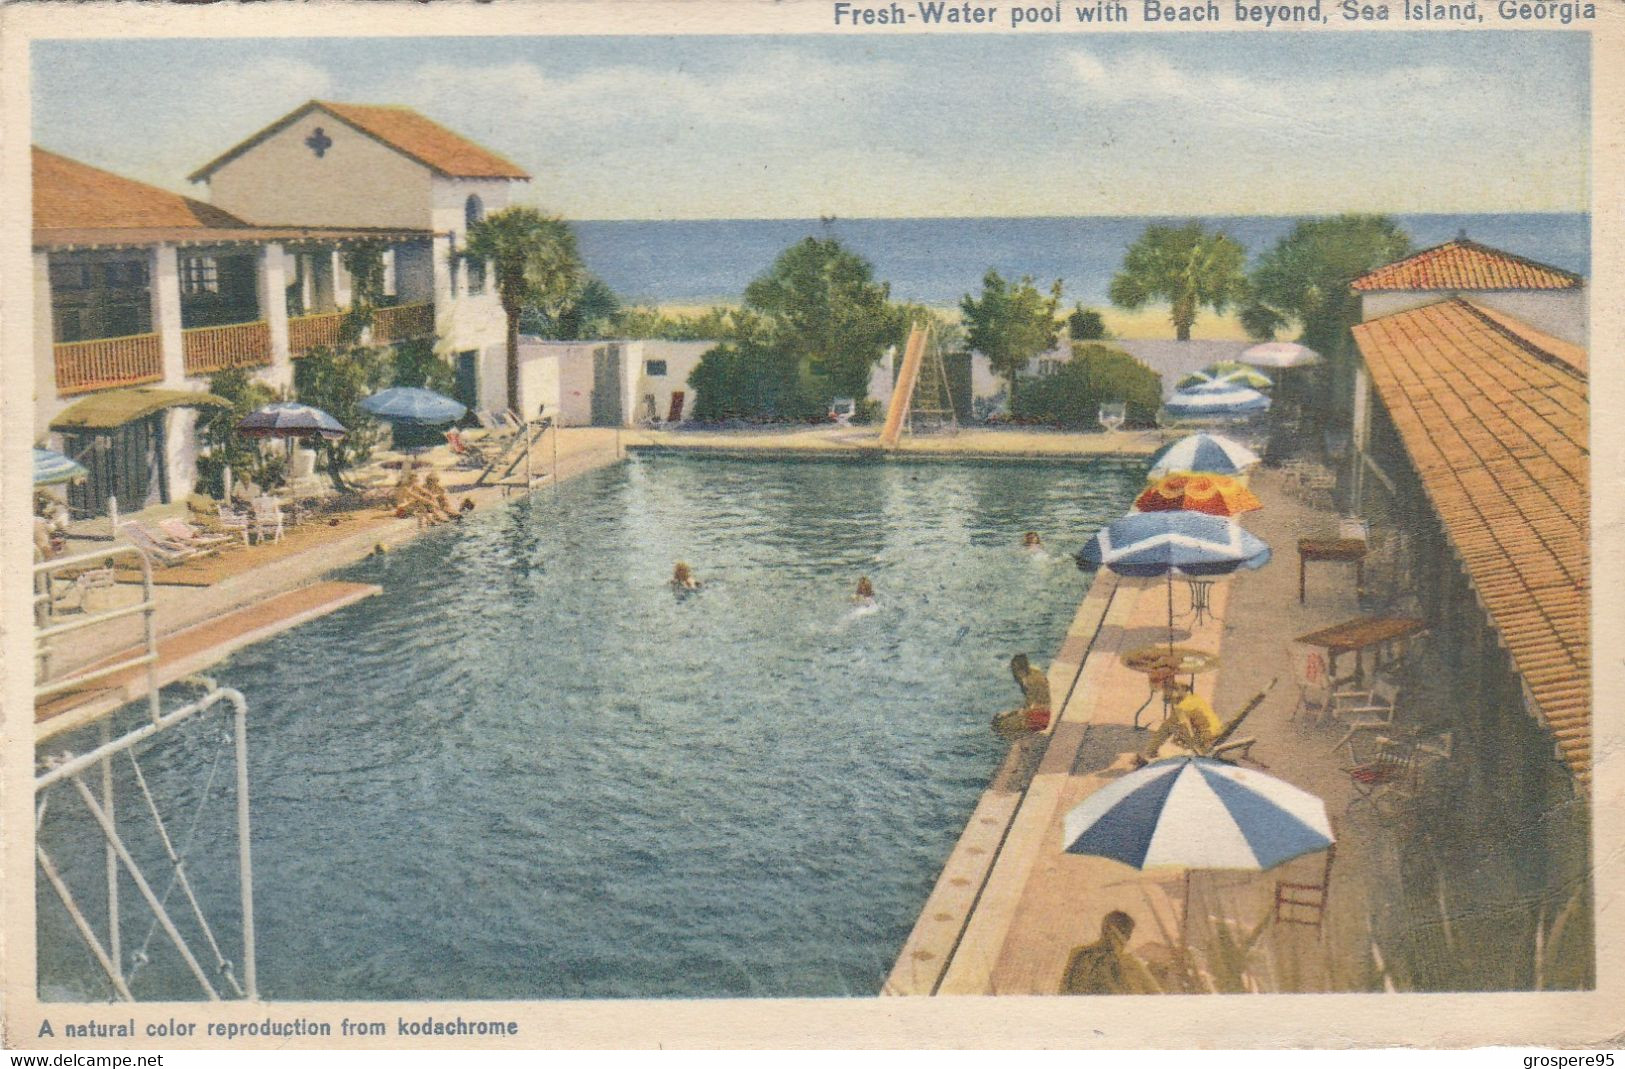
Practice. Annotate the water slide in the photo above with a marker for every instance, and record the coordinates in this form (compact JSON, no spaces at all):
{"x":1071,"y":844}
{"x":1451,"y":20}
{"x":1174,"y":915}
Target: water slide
{"x":903,"y":393}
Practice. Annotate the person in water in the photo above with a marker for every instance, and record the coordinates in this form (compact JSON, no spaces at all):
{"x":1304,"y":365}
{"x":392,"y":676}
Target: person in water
{"x":1034,"y":713}
{"x":682,"y":578}
{"x":1030,"y":540}
{"x":865,"y":594}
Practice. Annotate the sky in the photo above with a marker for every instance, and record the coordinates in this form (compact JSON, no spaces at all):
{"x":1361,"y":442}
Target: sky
{"x":893,"y":125}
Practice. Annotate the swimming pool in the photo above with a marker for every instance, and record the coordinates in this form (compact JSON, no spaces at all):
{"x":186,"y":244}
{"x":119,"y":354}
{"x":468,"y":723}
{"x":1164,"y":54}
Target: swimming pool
{"x":529,"y":770}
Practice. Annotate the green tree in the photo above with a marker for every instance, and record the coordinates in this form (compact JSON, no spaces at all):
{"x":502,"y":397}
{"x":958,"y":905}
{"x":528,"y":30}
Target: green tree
{"x":364,"y":263}
{"x":217,"y":431}
{"x":1094,"y":375}
{"x":1187,"y":266}
{"x":1304,"y":280}
{"x":825,"y":316}
{"x":419,"y":362}
{"x":591,"y":313}
{"x":1085,"y":324}
{"x":535,"y":263}
{"x":1011,"y":324}
{"x":337,"y":380}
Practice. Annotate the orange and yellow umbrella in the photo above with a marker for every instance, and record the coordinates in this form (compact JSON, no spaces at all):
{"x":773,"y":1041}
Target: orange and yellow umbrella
{"x":1216,"y":495}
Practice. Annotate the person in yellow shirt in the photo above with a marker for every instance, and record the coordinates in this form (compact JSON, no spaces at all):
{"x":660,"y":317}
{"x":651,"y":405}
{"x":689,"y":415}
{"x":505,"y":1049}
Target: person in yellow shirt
{"x":1191,"y":722}
{"x":1034,"y":713}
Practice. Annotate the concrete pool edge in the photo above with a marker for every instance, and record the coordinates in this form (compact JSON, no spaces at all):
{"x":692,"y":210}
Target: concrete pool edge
{"x":926,"y":955}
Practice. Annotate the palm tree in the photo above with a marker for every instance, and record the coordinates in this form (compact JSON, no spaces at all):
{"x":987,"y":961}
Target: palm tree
{"x":1186,"y":266}
{"x":534,"y":262}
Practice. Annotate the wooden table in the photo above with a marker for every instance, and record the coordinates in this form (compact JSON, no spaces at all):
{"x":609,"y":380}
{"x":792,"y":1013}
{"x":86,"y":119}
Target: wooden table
{"x":1360,"y":634}
{"x":1331,"y":549}
{"x":1159,"y":662}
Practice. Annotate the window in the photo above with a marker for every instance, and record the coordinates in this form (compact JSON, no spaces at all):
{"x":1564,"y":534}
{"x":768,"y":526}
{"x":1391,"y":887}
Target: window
{"x":1049,"y":367}
{"x":473,"y":210}
{"x":128,"y":317}
{"x":70,"y":276}
{"x":125,"y":274}
{"x":199,"y":274}
{"x":476,"y":276}
{"x":70,"y":325}
{"x":655,"y":369}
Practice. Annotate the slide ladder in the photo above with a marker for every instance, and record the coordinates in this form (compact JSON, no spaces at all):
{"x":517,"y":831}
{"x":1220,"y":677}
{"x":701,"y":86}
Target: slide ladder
{"x":921,"y":398}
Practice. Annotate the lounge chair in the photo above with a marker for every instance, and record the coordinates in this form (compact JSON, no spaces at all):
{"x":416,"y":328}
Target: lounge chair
{"x":162,"y":550}
{"x":268,"y":517}
{"x":469,"y":455}
{"x":235,"y":524}
{"x":182,"y":533}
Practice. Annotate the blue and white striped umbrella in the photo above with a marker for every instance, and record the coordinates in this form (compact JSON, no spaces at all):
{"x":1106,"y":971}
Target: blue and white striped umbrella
{"x":290,"y":419}
{"x":1157,"y":543}
{"x":1198,"y":813}
{"x":414,"y":407}
{"x":1212,"y":453}
{"x":51,"y":467}
{"x":1216,"y":400}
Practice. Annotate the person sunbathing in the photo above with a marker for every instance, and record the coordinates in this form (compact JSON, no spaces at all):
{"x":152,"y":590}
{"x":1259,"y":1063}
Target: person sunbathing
{"x":1034,"y":713}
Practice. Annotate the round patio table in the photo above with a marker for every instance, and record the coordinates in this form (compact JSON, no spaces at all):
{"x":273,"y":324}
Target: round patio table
{"x":1159,"y":662}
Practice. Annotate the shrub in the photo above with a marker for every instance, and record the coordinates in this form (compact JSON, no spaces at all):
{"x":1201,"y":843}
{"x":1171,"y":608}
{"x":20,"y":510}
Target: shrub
{"x":1096,"y":374}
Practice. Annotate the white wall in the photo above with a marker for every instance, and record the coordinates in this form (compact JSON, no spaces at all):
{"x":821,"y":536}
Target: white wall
{"x":681,"y":358}
{"x":357,"y":181}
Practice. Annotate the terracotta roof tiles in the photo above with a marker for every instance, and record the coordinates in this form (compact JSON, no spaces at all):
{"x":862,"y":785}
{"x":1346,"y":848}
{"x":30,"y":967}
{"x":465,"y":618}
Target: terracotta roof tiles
{"x":402,"y":129}
{"x":1465,"y":265}
{"x":69,"y":195}
{"x":1496,"y":427}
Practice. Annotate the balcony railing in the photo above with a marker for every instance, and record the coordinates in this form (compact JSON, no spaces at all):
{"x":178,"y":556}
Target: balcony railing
{"x":401,"y":322}
{"x":82,"y":366}
{"x":210,"y":349}
{"x":307,"y":332}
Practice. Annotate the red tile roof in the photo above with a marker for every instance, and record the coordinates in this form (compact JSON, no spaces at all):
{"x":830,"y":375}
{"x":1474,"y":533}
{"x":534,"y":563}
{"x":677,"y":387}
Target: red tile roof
{"x":402,"y":129}
{"x":69,"y":195}
{"x":1465,"y":265}
{"x":1496,"y":427}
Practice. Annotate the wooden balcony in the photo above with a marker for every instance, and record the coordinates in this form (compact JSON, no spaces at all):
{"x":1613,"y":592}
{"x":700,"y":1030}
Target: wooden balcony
{"x":307,"y":332}
{"x":401,"y":322}
{"x":82,"y":366}
{"x":210,"y":349}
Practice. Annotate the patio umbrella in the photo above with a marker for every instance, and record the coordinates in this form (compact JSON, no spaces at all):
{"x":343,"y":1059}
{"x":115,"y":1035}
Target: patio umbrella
{"x":1280,"y":354}
{"x":413,"y":406}
{"x":1216,"y":400}
{"x":1161,"y":543}
{"x":290,"y":419}
{"x":1215,"y":495}
{"x":1203,"y":452}
{"x":51,"y":468}
{"x":1228,"y":371}
{"x":1198,"y":813}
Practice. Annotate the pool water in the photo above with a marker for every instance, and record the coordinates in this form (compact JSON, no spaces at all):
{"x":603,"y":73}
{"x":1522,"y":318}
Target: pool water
{"x":528,"y":769}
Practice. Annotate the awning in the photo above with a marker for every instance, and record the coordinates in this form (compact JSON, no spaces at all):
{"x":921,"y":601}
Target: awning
{"x":114,"y":408}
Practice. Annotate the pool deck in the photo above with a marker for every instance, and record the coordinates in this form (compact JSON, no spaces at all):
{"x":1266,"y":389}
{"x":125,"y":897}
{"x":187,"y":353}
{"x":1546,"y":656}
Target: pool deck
{"x":188,"y":652}
{"x":1010,"y":905}
{"x":971,"y":443}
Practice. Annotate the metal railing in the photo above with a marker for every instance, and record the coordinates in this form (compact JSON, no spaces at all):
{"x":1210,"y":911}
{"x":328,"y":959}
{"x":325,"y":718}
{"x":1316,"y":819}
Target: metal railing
{"x":309,"y":331}
{"x":206,"y":350}
{"x":70,"y":768}
{"x":46,"y":631}
{"x":82,"y":366}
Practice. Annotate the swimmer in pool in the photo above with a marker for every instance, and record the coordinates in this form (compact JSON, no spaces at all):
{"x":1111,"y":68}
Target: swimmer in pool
{"x":1030,"y":540}
{"x":682,"y":578}
{"x":865,"y":594}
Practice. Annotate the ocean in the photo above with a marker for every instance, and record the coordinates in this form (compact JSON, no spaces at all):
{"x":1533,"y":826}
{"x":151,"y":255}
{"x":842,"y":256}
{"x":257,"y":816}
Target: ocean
{"x":937,"y":261}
